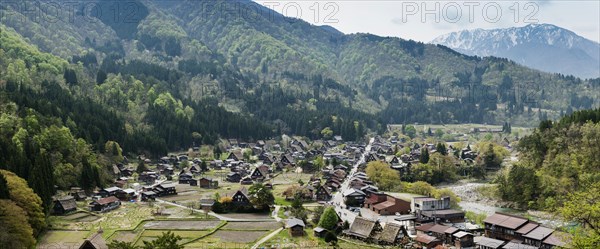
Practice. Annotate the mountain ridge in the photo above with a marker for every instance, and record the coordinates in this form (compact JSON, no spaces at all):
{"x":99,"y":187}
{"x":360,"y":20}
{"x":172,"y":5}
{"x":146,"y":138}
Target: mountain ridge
{"x":545,"y":47}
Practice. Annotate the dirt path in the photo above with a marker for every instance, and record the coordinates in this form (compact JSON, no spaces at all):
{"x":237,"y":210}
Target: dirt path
{"x":266,"y":238}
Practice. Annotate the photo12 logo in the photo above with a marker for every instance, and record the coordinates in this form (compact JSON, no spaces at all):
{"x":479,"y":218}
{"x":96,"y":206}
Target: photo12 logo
{"x":290,"y":11}
{"x":120,"y":12}
{"x":470,"y":12}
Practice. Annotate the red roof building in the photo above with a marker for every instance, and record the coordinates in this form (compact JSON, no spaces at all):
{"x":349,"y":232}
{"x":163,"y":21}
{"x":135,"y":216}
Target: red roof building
{"x":383,"y":204}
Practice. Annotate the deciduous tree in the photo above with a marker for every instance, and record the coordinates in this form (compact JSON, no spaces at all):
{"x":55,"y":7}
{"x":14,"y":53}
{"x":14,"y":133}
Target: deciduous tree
{"x":260,"y":196}
{"x":384,"y":176}
{"x":24,"y":197}
{"x":327,"y":133}
{"x":584,"y":207}
{"x":16,"y":232}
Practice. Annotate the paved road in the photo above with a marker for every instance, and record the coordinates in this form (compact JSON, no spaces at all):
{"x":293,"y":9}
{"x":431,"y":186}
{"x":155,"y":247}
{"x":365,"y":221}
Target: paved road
{"x":338,"y":198}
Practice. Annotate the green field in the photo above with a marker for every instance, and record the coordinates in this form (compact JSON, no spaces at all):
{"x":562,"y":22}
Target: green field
{"x":284,"y":240}
{"x":62,"y":239}
{"x":186,"y":236}
{"x":127,"y":236}
{"x":228,"y":239}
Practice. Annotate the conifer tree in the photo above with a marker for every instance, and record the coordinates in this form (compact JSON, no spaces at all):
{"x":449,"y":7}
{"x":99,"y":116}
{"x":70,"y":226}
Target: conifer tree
{"x":4,"y":194}
{"x":141,"y":167}
{"x":424,"y":155}
{"x":42,"y":179}
{"x":87,"y":175}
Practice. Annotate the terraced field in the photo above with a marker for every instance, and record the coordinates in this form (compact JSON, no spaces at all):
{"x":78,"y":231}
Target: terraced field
{"x":182,"y":225}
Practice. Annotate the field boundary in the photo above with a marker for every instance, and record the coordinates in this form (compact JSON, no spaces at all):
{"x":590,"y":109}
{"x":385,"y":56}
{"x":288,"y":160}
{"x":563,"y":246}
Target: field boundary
{"x":217,"y":228}
{"x":141,"y":231}
{"x":130,"y":230}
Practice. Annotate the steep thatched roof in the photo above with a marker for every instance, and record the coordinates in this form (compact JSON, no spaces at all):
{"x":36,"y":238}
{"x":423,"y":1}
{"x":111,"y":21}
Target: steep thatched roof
{"x":390,"y":232}
{"x":362,"y":227}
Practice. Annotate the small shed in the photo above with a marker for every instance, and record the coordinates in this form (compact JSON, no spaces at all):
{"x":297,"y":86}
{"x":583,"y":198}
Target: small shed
{"x":463,"y":240}
{"x":207,"y":204}
{"x":295,"y":226}
{"x":319,"y":232}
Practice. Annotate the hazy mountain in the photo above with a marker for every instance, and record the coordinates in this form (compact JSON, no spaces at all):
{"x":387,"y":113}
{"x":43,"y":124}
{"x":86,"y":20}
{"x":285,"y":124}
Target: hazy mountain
{"x":541,"y":46}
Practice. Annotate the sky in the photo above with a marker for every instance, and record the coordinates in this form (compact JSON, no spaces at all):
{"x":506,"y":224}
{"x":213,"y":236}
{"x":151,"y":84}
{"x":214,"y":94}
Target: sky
{"x":426,"y":20}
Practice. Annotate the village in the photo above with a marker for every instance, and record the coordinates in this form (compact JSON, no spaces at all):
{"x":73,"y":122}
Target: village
{"x":217,"y":203}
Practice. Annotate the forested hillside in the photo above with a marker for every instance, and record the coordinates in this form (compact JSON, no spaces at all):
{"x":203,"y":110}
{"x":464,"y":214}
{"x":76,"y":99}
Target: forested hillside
{"x":559,"y":172}
{"x":266,"y":44}
{"x":197,"y":50}
{"x":559,"y":158}
{"x":58,"y":127}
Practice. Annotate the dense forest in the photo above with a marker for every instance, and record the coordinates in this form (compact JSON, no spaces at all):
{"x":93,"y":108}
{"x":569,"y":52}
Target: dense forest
{"x":194,"y":51}
{"x":558,"y":172}
{"x":559,"y":158}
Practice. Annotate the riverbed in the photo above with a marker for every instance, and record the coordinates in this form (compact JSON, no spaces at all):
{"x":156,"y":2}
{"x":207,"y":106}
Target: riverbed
{"x":472,"y":200}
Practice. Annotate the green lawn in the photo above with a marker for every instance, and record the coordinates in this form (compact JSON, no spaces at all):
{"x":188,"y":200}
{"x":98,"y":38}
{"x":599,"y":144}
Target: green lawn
{"x":281,"y":213}
{"x":281,"y":201}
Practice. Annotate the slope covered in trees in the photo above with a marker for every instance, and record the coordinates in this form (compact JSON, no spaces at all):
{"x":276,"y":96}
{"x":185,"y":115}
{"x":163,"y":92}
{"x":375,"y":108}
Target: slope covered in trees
{"x":558,"y":159}
{"x":55,"y":121}
{"x":267,"y":43}
{"x":559,"y":171}
{"x":21,"y":212}
{"x":199,"y":50}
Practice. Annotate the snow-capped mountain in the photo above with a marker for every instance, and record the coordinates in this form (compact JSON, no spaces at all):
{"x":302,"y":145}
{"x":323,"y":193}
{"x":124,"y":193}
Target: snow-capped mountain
{"x":541,"y":46}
